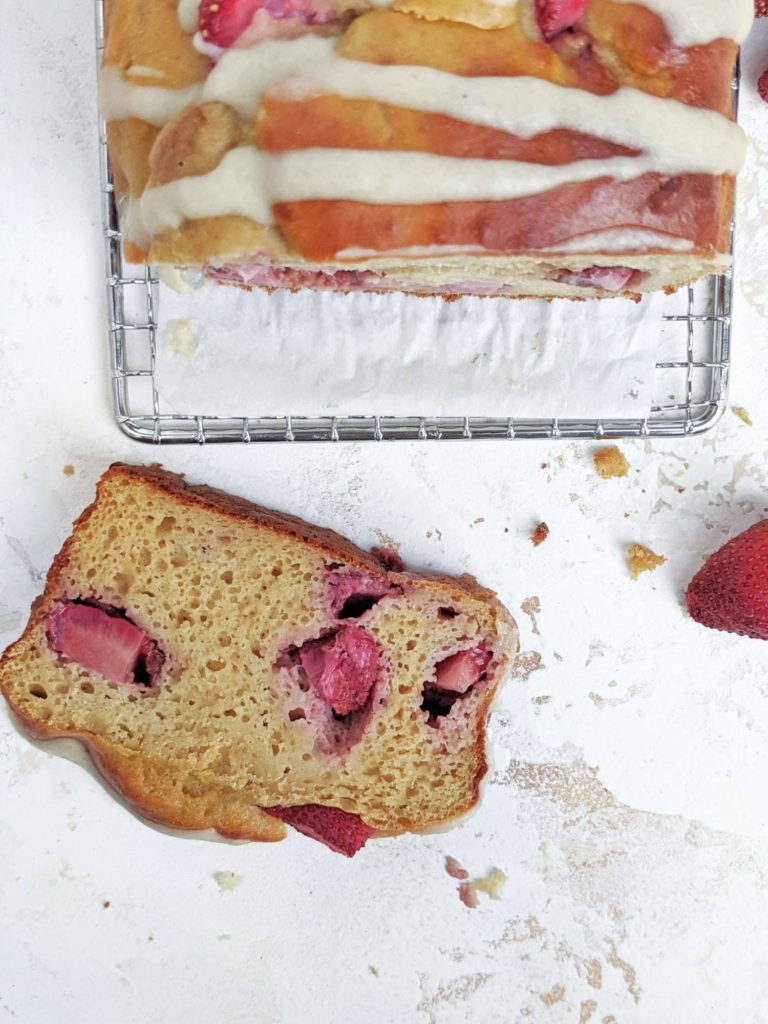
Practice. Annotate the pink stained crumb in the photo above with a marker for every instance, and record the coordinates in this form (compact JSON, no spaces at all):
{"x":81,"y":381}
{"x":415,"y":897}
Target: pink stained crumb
{"x":342,"y":668}
{"x":339,"y":830}
{"x":454,"y":869}
{"x":389,"y":558}
{"x":610,"y":279}
{"x":268,"y":276}
{"x":467,"y":895}
{"x":351,"y":592}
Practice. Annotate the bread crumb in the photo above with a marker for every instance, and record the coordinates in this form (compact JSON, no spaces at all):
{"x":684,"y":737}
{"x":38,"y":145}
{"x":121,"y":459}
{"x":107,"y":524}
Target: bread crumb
{"x":374,"y":970}
{"x":454,"y":869}
{"x":743,"y":415}
{"x":610,"y":462}
{"x":179,"y":339}
{"x":531,"y":607}
{"x":540,"y":534}
{"x":490,"y":884}
{"x":525,"y":664}
{"x":227,"y":880}
{"x":69,"y":470}
{"x":467,"y":895}
{"x":642,"y":559}
{"x":106,"y":904}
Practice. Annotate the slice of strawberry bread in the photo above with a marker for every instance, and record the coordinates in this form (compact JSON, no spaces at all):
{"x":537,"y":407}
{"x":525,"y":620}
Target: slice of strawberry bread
{"x":234,"y":668}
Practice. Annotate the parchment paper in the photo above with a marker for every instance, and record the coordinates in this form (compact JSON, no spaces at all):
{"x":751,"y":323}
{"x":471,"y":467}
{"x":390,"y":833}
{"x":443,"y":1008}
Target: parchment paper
{"x":225,"y":351}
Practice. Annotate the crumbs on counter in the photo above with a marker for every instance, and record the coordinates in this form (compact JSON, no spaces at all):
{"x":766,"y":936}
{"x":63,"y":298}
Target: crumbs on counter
{"x":490,"y":884}
{"x":454,"y":869}
{"x":540,"y":534}
{"x":741,"y":412}
{"x":227,"y":880}
{"x":374,"y":970}
{"x":179,"y":339}
{"x":642,"y":559}
{"x":69,"y":470}
{"x":610,"y":462}
{"x":106,"y":904}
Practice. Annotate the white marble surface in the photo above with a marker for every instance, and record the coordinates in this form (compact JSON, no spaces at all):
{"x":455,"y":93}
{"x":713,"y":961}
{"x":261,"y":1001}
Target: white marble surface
{"x":627,"y":805}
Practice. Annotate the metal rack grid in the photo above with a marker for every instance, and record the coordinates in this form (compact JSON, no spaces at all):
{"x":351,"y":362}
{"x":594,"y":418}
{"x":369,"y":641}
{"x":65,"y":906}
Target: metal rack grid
{"x":698,"y":371}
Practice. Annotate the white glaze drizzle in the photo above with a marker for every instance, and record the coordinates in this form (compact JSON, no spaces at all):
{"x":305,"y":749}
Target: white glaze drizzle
{"x":188,"y":12}
{"x":151,"y":103}
{"x":247,"y":182}
{"x":241,"y":77}
{"x":673,"y":138}
{"x":696,"y":22}
{"x":676,"y":136}
{"x":141,"y":71}
{"x":410,"y":252}
{"x":622,"y":240}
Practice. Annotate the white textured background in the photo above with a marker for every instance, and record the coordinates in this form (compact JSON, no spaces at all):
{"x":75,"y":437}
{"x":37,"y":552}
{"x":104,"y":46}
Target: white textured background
{"x":628,"y":803}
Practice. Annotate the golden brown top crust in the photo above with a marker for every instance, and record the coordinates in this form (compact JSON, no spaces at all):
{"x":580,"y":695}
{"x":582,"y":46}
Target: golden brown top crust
{"x":194,"y":142}
{"x":331,"y":543}
{"x":615,"y":45}
{"x":146,"y":33}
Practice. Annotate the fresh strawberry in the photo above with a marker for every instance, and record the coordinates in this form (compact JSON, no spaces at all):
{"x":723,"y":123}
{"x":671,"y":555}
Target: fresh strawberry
{"x":556,"y":16}
{"x":342,"y":668}
{"x":761,"y":8}
{"x":222,"y":22}
{"x":103,"y":643}
{"x":731,"y":591}
{"x":339,"y":830}
{"x":762,"y":84}
{"x":457,"y":673}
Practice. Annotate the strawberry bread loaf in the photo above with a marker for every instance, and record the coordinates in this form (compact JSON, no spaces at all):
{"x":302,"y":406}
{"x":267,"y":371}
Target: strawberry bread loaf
{"x":232,"y":668}
{"x":535,"y":147}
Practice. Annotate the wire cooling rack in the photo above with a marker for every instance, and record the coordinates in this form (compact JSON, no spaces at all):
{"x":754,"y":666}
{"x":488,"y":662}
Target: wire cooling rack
{"x":690,"y":386}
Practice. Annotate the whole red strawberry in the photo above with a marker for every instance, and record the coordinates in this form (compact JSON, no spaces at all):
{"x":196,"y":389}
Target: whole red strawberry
{"x":761,"y":8}
{"x":731,"y":591}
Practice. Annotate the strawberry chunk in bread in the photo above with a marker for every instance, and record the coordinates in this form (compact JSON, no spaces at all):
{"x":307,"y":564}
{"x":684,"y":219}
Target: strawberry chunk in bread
{"x":556,"y":16}
{"x":233,"y":668}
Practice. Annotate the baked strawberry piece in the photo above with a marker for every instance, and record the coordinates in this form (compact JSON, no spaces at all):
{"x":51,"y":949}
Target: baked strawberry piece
{"x":103,"y":641}
{"x":556,"y":16}
{"x":342,"y":668}
{"x":457,"y":673}
{"x":338,"y":830}
{"x":223,"y":23}
{"x":730,"y":592}
{"x":610,"y":279}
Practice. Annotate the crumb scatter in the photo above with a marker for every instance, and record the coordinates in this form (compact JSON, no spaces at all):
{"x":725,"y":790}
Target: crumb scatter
{"x":540,"y":534}
{"x":227,"y":880}
{"x":455,"y":869}
{"x":610,"y":462}
{"x":490,"y":885}
{"x":641,"y":559}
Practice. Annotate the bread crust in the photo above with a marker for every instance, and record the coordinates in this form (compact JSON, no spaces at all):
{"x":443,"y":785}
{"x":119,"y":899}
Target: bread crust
{"x":127,"y":771}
